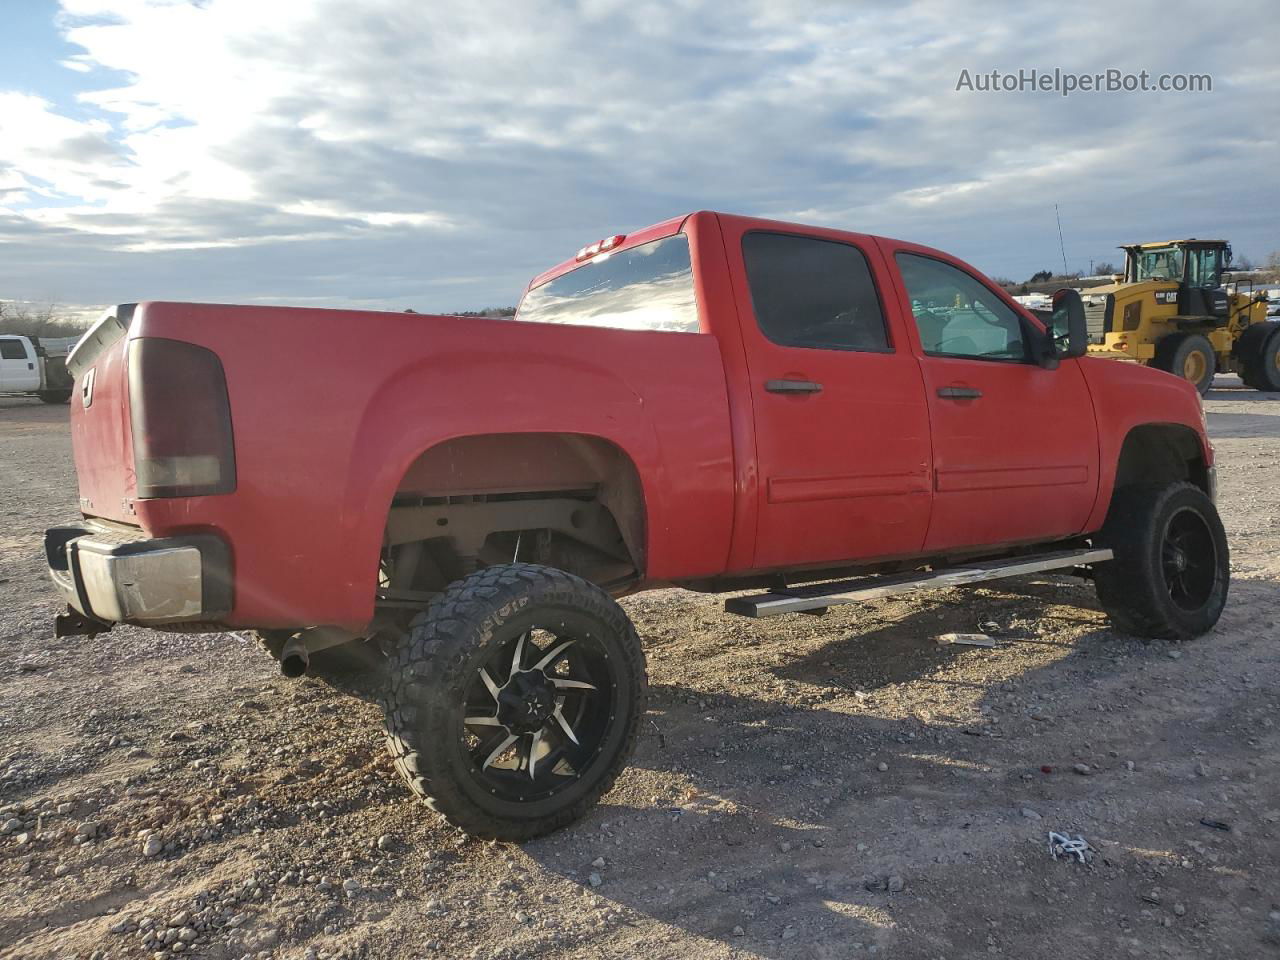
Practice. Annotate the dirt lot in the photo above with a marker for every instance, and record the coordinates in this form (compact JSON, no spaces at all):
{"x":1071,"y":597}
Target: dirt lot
{"x":172,"y":795}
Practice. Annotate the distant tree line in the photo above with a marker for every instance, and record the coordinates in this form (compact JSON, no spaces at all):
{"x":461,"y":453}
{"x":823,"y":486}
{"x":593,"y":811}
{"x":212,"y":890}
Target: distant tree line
{"x":30,"y":320}
{"x":487,"y":312}
{"x":1267,"y":272}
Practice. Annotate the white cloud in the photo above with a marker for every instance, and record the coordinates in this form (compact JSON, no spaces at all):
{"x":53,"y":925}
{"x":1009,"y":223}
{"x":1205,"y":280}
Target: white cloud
{"x":39,"y":146}
{"x":438,"y":155}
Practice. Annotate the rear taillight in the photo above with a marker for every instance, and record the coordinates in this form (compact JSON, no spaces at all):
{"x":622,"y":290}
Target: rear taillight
{"x":181,"y":418}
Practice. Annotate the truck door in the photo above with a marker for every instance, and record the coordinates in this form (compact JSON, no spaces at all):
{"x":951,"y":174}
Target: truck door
{"x":841,"y":422}
{"x":1015,"y":446}
{"x":19,"y":368}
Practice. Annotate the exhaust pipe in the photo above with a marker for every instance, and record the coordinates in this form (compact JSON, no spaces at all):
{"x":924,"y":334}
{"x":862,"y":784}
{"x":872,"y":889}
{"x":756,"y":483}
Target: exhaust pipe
{"x":294,"y":657}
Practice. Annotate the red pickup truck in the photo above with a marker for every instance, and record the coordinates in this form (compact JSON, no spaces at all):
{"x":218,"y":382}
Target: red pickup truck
{"x":715,"y":402}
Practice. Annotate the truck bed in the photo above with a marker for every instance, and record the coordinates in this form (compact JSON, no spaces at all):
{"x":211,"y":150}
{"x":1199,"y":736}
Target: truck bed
{"x":330,"y":408}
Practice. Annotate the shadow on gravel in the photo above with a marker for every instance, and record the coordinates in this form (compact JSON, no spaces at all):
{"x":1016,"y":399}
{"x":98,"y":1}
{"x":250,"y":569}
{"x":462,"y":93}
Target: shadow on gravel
{"x":1240,"y":393}
{"x":19,"y":409}
{"x":1230,"y":425}
{"x":905,"y":649}
{"x":782,"y":792}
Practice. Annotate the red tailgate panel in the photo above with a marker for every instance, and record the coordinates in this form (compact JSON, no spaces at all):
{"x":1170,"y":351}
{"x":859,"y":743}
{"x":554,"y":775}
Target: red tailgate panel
{"x":101,"y":439}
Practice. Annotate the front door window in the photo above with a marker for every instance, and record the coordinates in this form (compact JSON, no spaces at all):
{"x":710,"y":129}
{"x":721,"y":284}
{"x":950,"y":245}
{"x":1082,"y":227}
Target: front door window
{"x":957,"y":316}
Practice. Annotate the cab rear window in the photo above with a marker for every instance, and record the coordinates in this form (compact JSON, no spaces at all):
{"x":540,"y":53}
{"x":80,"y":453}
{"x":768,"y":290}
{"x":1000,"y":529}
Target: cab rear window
{"x":645,"y":287}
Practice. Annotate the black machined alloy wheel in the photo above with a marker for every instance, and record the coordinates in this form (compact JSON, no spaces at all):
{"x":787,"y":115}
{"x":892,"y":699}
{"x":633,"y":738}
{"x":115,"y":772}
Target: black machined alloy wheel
{"x":1171,"y":569}
{"x":537,"y":712}
{"x":1188,"y":560}
{"x":513,"y":703}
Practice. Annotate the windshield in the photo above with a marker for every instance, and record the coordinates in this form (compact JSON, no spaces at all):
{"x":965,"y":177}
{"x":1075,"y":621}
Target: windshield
{"x":1160,"y":263}
{"x":646,"y":287}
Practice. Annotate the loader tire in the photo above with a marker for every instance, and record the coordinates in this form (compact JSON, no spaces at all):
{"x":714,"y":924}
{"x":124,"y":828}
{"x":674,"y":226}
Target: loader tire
{"x":1260,"y":368}
{"x":55,"y":396}
{"x":514,"y":702}
{"x":1171,"y":569}
{"x":1189,"y":356}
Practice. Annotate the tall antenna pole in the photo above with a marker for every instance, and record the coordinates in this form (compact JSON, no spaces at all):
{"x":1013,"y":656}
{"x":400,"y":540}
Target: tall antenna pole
{"x":1061,"y":245}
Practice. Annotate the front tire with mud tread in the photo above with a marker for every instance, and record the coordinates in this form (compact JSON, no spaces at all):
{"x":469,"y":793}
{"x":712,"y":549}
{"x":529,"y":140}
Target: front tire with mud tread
{"x":1134,"y":588}
{"x":426,"y":689}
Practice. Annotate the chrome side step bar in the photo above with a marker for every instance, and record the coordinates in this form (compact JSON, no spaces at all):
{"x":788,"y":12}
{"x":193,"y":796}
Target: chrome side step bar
{"x":816,"y":597}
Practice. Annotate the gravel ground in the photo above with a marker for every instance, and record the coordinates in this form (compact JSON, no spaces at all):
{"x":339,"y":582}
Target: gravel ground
{"x":836,"y":787}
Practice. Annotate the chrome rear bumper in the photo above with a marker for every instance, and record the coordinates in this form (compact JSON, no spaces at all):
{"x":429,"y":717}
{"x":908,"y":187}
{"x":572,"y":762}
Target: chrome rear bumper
{"x":115,"y":575}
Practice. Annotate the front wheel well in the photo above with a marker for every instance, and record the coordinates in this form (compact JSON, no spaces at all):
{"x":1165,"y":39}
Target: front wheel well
{"x":1162,"y":453}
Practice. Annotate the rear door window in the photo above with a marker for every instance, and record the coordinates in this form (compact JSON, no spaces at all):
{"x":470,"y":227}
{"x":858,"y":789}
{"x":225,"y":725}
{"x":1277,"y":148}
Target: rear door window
{"x":808,"y":292}
{"x":12,"y":350}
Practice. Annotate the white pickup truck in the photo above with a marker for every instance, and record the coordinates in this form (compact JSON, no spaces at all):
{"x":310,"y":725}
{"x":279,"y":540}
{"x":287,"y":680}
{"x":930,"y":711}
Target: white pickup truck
{"x":36,"y":367}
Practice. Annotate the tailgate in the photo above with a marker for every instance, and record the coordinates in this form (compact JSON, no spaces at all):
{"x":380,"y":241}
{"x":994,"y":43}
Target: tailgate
{"x":100,"y":435}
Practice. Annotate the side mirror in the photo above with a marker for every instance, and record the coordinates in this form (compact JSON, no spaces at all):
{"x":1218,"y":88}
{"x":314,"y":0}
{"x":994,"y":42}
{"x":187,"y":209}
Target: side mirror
{"x":1068,"y":329}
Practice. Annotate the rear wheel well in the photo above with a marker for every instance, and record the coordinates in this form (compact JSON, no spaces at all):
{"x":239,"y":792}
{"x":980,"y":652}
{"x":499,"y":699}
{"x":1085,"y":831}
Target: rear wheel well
{"x":570,"y":501}
{"x":1161,"y":453}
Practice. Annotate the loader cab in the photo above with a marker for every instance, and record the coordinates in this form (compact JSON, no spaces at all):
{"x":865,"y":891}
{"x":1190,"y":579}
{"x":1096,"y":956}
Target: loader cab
{"x":1195,"y":265}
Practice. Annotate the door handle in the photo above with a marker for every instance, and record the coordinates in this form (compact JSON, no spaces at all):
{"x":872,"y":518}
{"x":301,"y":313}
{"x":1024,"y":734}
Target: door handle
{"x":959,"y":393}
{"x":792,"y":386}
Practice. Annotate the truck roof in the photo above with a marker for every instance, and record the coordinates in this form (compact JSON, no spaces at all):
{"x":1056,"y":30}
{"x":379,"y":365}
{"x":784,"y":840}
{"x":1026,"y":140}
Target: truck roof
{"x":636,"y":237}
{"x":658,"y":230}
{"x":1190,"y":241}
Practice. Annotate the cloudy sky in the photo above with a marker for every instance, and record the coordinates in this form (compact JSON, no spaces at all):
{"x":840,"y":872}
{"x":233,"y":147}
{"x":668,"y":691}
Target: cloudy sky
{"x":390,"y":153}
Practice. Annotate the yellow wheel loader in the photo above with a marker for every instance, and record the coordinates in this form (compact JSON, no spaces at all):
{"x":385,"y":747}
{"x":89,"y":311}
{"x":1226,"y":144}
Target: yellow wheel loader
{"x":1173,"y":312}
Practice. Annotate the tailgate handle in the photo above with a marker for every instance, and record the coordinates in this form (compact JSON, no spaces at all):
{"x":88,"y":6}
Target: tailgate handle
{"x":792,"y":386}
{"x":959,"y":393}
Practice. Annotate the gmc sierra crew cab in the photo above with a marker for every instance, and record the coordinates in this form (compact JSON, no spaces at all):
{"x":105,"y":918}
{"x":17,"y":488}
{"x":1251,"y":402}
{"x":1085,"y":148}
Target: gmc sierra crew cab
{"x":715,"y":402}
